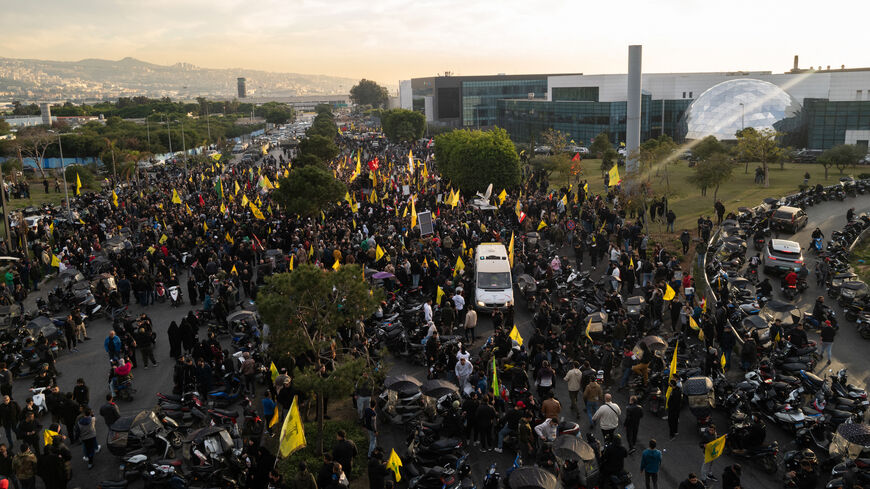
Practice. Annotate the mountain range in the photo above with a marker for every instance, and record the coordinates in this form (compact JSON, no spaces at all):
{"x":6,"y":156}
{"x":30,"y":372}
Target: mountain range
{"x":100,"y":79}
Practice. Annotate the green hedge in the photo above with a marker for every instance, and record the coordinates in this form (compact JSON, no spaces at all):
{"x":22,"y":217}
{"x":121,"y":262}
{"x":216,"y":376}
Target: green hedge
{"x":290,"y":466}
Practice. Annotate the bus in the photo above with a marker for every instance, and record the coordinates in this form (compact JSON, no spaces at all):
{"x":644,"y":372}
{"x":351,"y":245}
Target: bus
{"x":492,"y":276}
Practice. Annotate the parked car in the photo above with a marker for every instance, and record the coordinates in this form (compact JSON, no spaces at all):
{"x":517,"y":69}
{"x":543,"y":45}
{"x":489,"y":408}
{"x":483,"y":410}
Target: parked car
{"x":806,"y":155}
{"x":789,"y":219}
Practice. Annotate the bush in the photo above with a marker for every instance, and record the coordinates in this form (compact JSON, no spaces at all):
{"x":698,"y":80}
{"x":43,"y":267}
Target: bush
{"x":85,"y":174}
{"x":863,"y":176}
{"x":471,"y":160}
{"x":289,"y":467}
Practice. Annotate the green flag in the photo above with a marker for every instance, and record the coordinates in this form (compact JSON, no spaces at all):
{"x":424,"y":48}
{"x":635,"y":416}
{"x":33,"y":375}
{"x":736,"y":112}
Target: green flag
{"x":495,"y":389}
{"x":219,"y":188}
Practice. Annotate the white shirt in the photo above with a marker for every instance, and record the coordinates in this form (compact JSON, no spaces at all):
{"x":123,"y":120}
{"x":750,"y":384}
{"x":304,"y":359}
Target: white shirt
{"x":459,"y":301}
{"x":546,"y":431}
{"x":460,"y":355}
{"x":427,"y":312}
{"x":615,"y":273}
{"x":463,"y":369}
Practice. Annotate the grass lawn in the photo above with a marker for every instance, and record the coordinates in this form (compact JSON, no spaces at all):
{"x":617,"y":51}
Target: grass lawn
{"x":38,"y":197}
{"x":739,"y":191}
{"x":860,"y":261}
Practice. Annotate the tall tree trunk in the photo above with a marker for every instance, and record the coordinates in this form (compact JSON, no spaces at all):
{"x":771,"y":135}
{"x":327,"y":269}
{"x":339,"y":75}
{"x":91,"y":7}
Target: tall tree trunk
{"x":747,"y":167}
{"x":320,"y":422}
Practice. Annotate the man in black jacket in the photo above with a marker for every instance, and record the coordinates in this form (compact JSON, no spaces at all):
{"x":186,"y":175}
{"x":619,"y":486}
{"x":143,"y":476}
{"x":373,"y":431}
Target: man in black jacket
{"x":613,"y":459}
{"x":675,"y":403}
{"x":10,"y":412}
{"x":109,"y":411}
{"x":378,"y":470}
{"x":344,"y":451}
{"x":633,"y":413}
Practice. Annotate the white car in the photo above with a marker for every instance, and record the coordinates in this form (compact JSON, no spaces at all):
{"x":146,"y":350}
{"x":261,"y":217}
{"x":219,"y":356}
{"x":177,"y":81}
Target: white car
{"x":782,"y":255}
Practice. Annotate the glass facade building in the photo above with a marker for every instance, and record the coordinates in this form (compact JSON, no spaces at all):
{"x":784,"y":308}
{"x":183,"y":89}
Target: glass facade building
{"x":827,"y":121}
{"x":525,"y":120}
{"x":479,"y":98}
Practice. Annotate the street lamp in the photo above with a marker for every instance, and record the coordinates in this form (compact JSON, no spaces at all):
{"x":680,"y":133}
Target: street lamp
{"x":63,"y":172}
{"x":742,"y":116}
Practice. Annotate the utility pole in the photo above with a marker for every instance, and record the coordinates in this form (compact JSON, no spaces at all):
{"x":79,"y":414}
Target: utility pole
{"x":183,"y":145}
{"x":207,"y":122}
{"x":63,"y":171}
{"x":5,"y":214}
{"x":169,"y":133}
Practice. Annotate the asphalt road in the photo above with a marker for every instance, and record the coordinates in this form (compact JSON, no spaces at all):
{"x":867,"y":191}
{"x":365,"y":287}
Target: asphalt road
{"x":683,"y":454}
{"x":92,"y":364}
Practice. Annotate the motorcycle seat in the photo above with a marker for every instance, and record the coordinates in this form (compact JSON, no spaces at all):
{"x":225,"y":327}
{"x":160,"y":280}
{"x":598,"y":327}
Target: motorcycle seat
{"x":172,"y":462}
{"x":435,"y":425}
{"x":443,"y":444}
{"x":837,"y":413}
{"x":113,"y":484}
{"x":226,"y":412}
{"x":172,"y":397}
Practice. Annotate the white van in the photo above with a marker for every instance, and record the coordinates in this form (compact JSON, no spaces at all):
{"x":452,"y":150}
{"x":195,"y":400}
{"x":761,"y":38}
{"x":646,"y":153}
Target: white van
{"x":493,"y":283}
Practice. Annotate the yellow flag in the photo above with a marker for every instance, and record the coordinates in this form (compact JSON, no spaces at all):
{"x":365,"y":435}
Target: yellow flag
{"x":236,"y":191}
{"x":410,"y":161}
{"x":175,"y":198}
{"x":115,"y":202}
{"x":373,"y":197}
{"x":274,"y":371}
{"x":631,"y":262}
{"x":515,"y":335}
{"x":48,"y":435}
{"x":413,"y":214}
{"x":187,"y":209}
{"x":54,"y":260}
{"x":267,"y":183}
{"x":511,"y":250}
{"x":245,"y":200}
{"x":291,"y":262}
{"x":542,"y":225}
{"x":459,"y":266}
{"x":230,"y":241}
{"x":204,"y":227}
{"x":78,"y":184}
{"x":256,"y":211}
{"x":276,"y":416}
{"x":223,"y":208}
{"x":502,"y":196}
{"x":336,"y":265}
{"x":310,"y":251}
{"x":394,"y":463}
{"x":439,"y":294}
{"x":669,"y":293}
{"x":51,"y":228}
{"x":614,"y":175}
{"x":694,"y":324}
{"x":565,"y":200}
{"x":163,"y":239}
{"x":379,"y":253}
{"x":671,"y":372}
{"x":292,"y":432}
{"x":713,"y":449}
{"x":723,"y":361}
{"x":234,"y":271}
{"x":151,"y":250}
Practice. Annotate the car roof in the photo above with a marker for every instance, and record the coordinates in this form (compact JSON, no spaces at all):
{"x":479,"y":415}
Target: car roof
{"x":785,"y":244}
{"x":788,"y":209}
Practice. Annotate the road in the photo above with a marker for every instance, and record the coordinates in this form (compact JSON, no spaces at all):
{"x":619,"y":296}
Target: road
{"x":683,"y":454}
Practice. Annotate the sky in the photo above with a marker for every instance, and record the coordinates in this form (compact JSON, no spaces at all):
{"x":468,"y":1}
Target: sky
{"x":392,"y":40}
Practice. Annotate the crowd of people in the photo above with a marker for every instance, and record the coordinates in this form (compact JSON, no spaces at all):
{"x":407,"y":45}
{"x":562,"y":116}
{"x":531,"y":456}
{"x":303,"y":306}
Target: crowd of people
{"x":198,"y":227}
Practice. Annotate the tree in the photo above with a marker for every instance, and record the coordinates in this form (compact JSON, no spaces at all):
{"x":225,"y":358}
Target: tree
{"x":712,"y":172}
{"x":32,"y":142}
{"x":84,"y":173}
{"x":5,"y":128}
{"x":367,"y":92}
{"x":305,"y":309}
{"x":761,"y":146}
{"x":275,"y":112}
{"x":307,"y":190}
{"x":549,"y":164}
{"x":707,"y":147}
{"x":403,"y":126}
{"x":556,"y":140}
{"x":319,"y":146}
{"x":841,"y":156}
{"x":471,"y":160}
{"x":602,"y":148}
{"x":11,"y":167}
{"x":306,"y":159}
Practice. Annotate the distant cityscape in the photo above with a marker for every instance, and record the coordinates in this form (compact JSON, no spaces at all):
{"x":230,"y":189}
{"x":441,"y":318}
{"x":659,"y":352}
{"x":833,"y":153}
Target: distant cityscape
{"x":94,"y":80}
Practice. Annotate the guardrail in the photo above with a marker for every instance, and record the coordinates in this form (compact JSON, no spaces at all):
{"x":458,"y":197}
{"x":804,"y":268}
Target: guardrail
{"x":710,"y":295}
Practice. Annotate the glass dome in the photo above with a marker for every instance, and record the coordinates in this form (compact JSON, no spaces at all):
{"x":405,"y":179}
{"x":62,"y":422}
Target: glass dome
{"x":724,"y":109}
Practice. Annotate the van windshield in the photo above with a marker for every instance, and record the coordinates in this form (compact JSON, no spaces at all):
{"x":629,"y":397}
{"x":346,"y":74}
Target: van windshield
{"x":493,"y":280}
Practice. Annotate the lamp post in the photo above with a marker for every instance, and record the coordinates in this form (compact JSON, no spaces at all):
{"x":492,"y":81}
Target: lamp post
{"x":742,"y":116}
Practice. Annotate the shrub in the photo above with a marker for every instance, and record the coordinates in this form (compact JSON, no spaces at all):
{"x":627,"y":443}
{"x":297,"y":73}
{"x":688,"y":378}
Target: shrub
{"x":289,"y":467}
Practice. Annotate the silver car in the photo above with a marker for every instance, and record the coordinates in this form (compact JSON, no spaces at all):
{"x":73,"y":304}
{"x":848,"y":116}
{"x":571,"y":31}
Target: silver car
{"x":782,"y":255}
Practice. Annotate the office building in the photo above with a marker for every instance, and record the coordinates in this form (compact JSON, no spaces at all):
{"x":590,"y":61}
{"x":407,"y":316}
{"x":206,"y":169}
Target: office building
{"x":815,"y":108}
{"x":243,"y":92}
